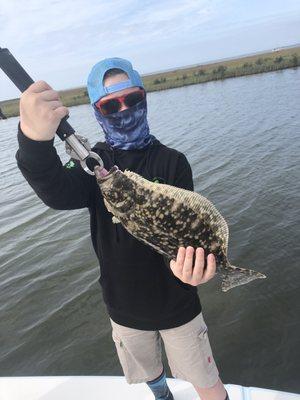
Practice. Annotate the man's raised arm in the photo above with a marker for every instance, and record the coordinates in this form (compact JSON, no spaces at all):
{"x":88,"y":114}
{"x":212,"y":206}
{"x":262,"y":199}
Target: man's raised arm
{"x":58,"y":186}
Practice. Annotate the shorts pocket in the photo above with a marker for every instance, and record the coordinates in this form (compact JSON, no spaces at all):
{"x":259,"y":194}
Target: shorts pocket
{"x":207,"y":357}
{"x":121,"y":350}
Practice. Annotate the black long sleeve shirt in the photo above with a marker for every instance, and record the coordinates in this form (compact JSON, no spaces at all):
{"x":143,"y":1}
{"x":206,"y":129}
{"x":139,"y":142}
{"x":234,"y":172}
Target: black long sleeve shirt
{"x":139,"y":288}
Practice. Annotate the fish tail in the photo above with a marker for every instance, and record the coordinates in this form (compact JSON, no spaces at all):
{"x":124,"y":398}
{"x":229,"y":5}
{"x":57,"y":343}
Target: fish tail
{"x":235,"y":276}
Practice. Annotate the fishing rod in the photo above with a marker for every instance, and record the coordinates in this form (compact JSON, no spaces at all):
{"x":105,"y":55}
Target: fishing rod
{"x":76,"y":145}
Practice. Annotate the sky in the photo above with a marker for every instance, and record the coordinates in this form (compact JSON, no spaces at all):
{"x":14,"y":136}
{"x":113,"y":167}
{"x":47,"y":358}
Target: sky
{"x":59,"y":41}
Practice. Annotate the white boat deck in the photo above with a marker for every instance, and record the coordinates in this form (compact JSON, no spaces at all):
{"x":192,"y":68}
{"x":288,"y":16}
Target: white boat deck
{"x":114,"y":388}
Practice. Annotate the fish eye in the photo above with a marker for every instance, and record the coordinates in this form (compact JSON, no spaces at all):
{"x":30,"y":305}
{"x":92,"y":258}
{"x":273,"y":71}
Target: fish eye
{"x":122,"y":183}
{"x":117,"y":183}
{"x":127,"y":185}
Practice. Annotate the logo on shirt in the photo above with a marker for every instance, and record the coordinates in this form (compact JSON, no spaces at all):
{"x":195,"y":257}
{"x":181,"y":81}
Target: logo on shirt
{"x":70,"y":164}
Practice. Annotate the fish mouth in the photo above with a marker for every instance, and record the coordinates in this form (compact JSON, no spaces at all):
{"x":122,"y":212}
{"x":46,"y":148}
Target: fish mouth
{"x":103,"y":175}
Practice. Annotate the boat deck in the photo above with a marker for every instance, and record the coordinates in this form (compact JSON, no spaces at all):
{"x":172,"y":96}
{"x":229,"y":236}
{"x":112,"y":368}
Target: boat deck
{"x":114,"y":388}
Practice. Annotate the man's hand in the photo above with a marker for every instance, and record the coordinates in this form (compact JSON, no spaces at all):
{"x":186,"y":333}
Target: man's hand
{"x":194,"y":275}
{"x":41,"y":111}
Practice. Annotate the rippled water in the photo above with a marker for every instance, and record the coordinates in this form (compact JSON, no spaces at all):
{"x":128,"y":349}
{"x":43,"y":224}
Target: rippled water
{"x":241,"y":137}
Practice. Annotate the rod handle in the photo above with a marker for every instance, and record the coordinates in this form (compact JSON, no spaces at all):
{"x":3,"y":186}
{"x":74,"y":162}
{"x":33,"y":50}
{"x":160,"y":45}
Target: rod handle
{"x":17,"y":74}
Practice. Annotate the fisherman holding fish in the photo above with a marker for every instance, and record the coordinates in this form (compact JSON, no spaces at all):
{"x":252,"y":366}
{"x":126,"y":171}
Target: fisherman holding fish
{"x":148,"y":300}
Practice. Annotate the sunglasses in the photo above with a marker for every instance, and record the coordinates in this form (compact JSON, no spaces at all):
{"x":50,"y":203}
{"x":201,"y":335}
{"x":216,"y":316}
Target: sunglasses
{"x":111,"y":106}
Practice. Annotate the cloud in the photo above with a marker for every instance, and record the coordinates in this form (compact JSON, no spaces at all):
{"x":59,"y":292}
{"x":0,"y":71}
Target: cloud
{"x":55,"y":38}
{"x":43,"y":26}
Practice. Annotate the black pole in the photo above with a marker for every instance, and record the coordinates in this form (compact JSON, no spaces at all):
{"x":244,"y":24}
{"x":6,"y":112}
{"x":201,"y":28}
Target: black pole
{"x":14,"y":70}
{"x":22,"y":80}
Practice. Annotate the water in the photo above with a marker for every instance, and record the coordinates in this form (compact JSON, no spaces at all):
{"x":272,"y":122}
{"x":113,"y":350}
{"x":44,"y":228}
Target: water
{"x":241,"y":137}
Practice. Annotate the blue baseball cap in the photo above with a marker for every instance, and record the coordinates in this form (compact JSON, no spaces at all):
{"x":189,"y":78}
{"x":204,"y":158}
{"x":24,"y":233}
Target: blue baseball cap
{"x":95,"y":87}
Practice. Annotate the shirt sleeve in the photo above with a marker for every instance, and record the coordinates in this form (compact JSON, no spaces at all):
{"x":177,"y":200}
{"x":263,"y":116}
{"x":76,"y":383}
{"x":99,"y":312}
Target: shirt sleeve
{"x":60,"y":187}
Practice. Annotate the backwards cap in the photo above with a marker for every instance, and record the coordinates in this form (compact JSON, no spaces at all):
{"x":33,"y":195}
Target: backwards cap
{"x":95,"y":87}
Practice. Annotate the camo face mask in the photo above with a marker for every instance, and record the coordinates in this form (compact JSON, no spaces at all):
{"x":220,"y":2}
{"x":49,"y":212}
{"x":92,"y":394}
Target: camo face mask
{"x":127,"y":129}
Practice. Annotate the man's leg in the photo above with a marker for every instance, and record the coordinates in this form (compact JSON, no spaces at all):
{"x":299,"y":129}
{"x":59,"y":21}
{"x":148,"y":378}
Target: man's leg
{"x":190,"y":358}
{"x":139,"y":353}
{"x":216,"y":392}
{"x":160,"y":388}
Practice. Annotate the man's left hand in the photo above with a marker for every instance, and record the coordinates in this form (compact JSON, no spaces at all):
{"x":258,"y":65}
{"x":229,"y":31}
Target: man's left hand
{"x":196,"y":274}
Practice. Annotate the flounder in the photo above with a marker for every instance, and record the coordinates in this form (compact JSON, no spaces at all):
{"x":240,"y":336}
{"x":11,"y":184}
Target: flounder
{"x":166,"y":217}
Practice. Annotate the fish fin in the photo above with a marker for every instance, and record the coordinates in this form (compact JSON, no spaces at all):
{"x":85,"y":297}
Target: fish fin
{"x":115,"y":220}
{"x":235,"y":276}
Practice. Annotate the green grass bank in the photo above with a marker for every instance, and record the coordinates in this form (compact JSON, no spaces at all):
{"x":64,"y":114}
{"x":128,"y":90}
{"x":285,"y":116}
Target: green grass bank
{"x":255,"y":64}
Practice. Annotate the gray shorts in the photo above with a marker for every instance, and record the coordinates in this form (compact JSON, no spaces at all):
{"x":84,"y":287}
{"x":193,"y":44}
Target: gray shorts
{"x":187,"y":348}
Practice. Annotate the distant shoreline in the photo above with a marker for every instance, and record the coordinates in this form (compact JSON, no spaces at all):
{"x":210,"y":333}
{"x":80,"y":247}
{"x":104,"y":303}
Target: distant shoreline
{"x":248,"y":65}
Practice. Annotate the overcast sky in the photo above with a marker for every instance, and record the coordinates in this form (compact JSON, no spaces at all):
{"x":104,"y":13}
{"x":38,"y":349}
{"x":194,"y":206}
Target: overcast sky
{"x":59,"y":41}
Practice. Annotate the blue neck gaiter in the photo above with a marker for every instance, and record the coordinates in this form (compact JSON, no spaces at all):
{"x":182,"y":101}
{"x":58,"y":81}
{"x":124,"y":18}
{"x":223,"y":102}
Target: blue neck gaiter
{"x":127,"y":129}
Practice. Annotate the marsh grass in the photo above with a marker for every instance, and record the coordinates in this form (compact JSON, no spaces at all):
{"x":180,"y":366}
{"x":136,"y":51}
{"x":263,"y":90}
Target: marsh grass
{"x":276,"y":60}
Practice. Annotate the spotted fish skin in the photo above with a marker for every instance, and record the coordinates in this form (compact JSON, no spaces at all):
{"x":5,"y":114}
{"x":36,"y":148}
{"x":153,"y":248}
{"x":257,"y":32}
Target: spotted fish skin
{"x":166,"y":217}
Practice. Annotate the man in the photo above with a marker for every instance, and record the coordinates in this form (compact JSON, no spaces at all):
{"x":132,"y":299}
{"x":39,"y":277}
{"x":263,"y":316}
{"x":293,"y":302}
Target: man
{"x":145,"y":298}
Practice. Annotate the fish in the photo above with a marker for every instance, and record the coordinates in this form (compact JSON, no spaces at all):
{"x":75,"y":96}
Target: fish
{"x":166,"y":217}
